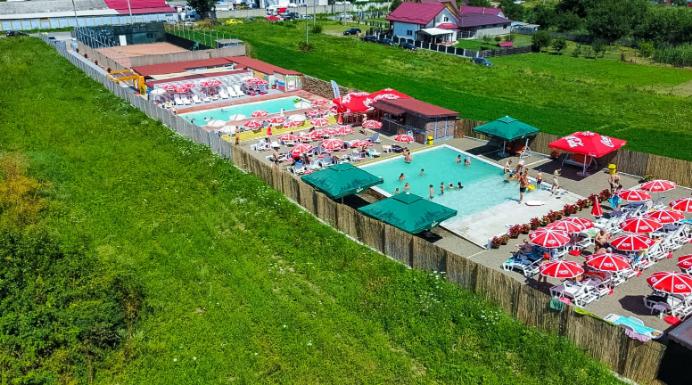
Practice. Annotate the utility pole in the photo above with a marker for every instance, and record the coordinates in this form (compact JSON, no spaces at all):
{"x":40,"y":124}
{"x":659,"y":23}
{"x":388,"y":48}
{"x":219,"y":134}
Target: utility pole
{"x":307,"y":23}
{"x":76,"y":19}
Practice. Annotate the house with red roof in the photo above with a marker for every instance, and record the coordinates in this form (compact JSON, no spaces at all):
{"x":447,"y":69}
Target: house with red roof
{"x":441,"y":22}
{"x":429,"y":21}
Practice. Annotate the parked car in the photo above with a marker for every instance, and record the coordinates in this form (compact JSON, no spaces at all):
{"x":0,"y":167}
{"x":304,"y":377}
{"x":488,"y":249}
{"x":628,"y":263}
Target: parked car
{"x":482,"y":61}
{"x":407,"y":45}
{"x":352,"y":31}
{"x":291,"y":16}
{"x":370,"y":38}
{"x":13,"y":33}
{"x":385,"y":41}
{"x":306,"y":17}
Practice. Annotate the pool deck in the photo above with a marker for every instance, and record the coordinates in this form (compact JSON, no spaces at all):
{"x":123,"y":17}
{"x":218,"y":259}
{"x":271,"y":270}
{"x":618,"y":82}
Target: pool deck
{"x":627,"y":299}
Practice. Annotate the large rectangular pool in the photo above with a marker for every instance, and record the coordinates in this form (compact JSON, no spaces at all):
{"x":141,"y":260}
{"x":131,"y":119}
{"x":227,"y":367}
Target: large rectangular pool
{"x":486,"y":205}
{"x":272,"y":106}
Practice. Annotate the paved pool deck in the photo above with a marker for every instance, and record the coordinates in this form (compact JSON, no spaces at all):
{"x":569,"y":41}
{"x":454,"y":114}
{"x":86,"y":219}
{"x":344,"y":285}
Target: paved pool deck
{"x":627,"y":299}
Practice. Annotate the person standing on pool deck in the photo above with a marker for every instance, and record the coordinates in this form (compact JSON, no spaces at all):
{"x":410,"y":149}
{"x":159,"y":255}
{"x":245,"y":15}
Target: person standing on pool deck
{"x":523,"y":184}
{"x":539,"y":180}
{"x":442,"y":188}
{"x":401,"y":177}
{"x":556,"y":182}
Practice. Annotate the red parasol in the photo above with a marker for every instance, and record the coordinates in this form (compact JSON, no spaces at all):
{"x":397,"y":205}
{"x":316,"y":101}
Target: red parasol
{"x":404,"y":138}
{"x":371,"y":124}
{"x":360,"y":143}
{"x":608,"y":262}
{"x":253,"y":124}
{"x":584,"y":222}
{"x":671,"y":282}
{"x":331,"y":131}
{"x":317,"y":134}
{"x":561,"y":269}
{"x":588,"y":143}
{"x":276,"y":119}
{"x":596,"y":209}
{"x":319,"y":122}
{"x":566,"y":226}
{"x":345,"y":130}
{"x":635,"y":195}
{"x":549,"y":238}
{"x":332,"y":144}
{"x":314,"y":113}
{"x":259,"y":114}
{"x":293,"y":124}
{"x":685,"y":262}
{"x":682,"y":204}
{"x":300,"y":149}
{"x":658,"y":185}
{"x":631,"y":242}
{"x":665,"y":216}
{"x":360,"y":102}
{"x":289,"y":138}
{"x":640,"y":225}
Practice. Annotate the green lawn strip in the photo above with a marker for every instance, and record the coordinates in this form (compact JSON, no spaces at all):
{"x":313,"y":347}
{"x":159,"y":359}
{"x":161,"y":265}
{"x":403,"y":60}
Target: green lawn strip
{"x":240,"y":285}
{"x":557,"y":93}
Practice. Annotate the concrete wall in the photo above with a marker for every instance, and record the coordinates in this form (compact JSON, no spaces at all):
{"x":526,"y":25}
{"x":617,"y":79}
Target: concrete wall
{"x":491,"y":31}
{"x":186,"y":56}
{"x":243,"y":13}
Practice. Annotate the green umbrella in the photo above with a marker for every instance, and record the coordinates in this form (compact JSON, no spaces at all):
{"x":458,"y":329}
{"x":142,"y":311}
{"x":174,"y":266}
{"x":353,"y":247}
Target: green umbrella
{"x":341,"y":180}
{"x":409,"y":212}
{"x":507,"y":128}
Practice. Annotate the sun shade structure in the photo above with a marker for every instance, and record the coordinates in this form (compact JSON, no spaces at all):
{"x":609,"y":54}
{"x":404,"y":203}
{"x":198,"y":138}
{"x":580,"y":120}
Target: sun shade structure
{"x":589,"y":145}
{"x":508,"y":129}
{"x":409,"y":212}
{"x":341,"y":180}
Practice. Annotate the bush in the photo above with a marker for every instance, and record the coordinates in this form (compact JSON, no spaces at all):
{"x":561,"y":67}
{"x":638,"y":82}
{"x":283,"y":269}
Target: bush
{"x":540,"y":40}
{"x":304,"y":46}
{"x":509,"y":37}
{"x":577,"y":51}
{"x":559,"y":44}
{"x":680,"y":56}
{"x":599,"y":47}
{"x":645,"y":48}
{"x":498,"y":39}
{"x":317,"y":28}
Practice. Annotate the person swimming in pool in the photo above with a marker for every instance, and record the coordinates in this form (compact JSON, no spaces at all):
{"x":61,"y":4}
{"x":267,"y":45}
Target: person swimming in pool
{"x":407,"y":187}
{"x":458,"y":160}
{"x":402,"y":177}
{"x":459,"y":185}
{"x":431,"y":191}
{"x":422,"y":172}
{"x":396,"y":191}
{"x":451,"y":186}
{"x":442,"y":188}
{"x":467,"y":161}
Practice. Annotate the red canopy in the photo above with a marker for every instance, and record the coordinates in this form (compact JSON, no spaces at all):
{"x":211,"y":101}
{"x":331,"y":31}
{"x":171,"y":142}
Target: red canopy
{"x":359,"y":102}
{"x":588,"y":143}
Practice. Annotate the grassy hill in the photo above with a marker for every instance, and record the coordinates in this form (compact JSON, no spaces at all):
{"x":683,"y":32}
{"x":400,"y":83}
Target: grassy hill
{"x":239,"y":285}
{"x":647,"y":105}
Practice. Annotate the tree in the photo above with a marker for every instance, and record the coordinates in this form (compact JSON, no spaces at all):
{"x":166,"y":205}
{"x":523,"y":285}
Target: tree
{"x":511,"y":10}
{"x":568,"y":21}
{"x":394,"y":4}
{"x":559,"y":44}
{"x":577,"y":7}
{"x":541,"y":39}
{"x":611,"y":20}
{"x":543,"y":15}
{"x":203,"y":7}
{"x":479,"y":3}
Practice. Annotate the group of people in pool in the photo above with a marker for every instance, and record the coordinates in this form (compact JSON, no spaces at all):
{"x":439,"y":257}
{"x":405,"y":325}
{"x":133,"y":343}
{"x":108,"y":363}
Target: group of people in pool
{"x":408,"y":158}
{"x":520,"y":172}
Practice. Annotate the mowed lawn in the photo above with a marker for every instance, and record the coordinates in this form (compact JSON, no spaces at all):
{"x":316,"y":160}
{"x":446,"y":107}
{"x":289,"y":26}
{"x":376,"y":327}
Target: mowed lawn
{"x":241,"y":286}
{"x":650,"y":106}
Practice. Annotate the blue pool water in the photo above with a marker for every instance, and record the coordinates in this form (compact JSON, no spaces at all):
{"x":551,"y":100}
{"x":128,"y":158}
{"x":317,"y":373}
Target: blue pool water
{"x":272,"y":106}
{"x":484,"y":184}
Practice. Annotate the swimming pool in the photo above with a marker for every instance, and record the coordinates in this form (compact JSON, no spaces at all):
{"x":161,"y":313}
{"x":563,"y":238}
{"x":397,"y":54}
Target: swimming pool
{"x":485,"y":206}
{"x":272,"y":106}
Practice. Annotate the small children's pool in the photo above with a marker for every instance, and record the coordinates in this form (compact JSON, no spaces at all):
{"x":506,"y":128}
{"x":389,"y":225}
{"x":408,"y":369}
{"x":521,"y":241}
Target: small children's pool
{"x":486,"y":205}
{"x":272,"y":106}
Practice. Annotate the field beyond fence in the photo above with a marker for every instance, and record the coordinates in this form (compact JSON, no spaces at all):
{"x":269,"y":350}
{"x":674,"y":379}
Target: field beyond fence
{"x":603,"y":341}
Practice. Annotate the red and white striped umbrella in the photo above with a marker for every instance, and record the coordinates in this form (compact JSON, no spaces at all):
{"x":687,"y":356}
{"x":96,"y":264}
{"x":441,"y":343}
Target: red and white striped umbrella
{"x":317,"y":134}
{"x":293,"y":124}
{"x":640,"y":225}
{"x":345,"y":130}
{"x":332,"y":144}
{"x":549,"y":238}
{"x":314,"y":113}
{"x":561,"y":269}
{"x":360,"y":143}
{"x":682,"y":204}
{"x":631,"y":242}
{"x":289,"y":137}
{"x":277,"y":119}
{"x":371,"y":124}
{"x":685,"y":262}
{"x":321,"y":103}
{"x":671,"y":282}
{"x":404,"y":138}
{"x":658,"y":185}
{"x":665,"y":216}
{"x":214,"y":83}
{"x":567,"y":226}
{"x":585,"y":223}
{"x":635,"y":195}
{"x":319,"y":122}
{"x":300,"y":149}
{"x":259,"y":114}
{"x":253,"y":124}
{"x":331,"y":131}
{"x":608,"y":262}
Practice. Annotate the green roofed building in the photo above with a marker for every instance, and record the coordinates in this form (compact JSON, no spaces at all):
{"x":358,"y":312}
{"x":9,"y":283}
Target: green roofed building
{"x":341,"y":180}
{"x":409,"y":212}
{"x":508,"y":129}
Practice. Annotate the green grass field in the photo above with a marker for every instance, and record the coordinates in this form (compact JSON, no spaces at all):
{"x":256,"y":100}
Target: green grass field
{"x":647,"y":105}
{"x":241,"y":286}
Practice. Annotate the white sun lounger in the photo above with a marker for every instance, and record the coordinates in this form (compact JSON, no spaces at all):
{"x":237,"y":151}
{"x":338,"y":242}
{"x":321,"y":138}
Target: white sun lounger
{"x":231,"y":92}
{"x":223,"y":93}
{"x":196,"y":99}
{"x":237,"y":90}
{"x":178,"y":101}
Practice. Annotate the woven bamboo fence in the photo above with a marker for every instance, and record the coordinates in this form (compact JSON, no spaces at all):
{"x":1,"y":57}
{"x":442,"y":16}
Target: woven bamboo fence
{"x":627,"y":161}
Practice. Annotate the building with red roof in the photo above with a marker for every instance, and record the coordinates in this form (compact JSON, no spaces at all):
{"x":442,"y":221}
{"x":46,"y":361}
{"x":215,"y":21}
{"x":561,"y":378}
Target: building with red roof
{"x":409,"y":114}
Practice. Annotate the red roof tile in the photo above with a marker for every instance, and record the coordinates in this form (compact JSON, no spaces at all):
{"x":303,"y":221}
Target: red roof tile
{"x":181,"y":66}
{"x":469,"y":10}
{"x":415,"y":13}
{"x":139,"y":7}
{"x":417,"y":107}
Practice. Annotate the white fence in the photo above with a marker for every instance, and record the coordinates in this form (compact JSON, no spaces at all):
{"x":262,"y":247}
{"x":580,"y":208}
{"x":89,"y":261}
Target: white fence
{"x":172,"y":121}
